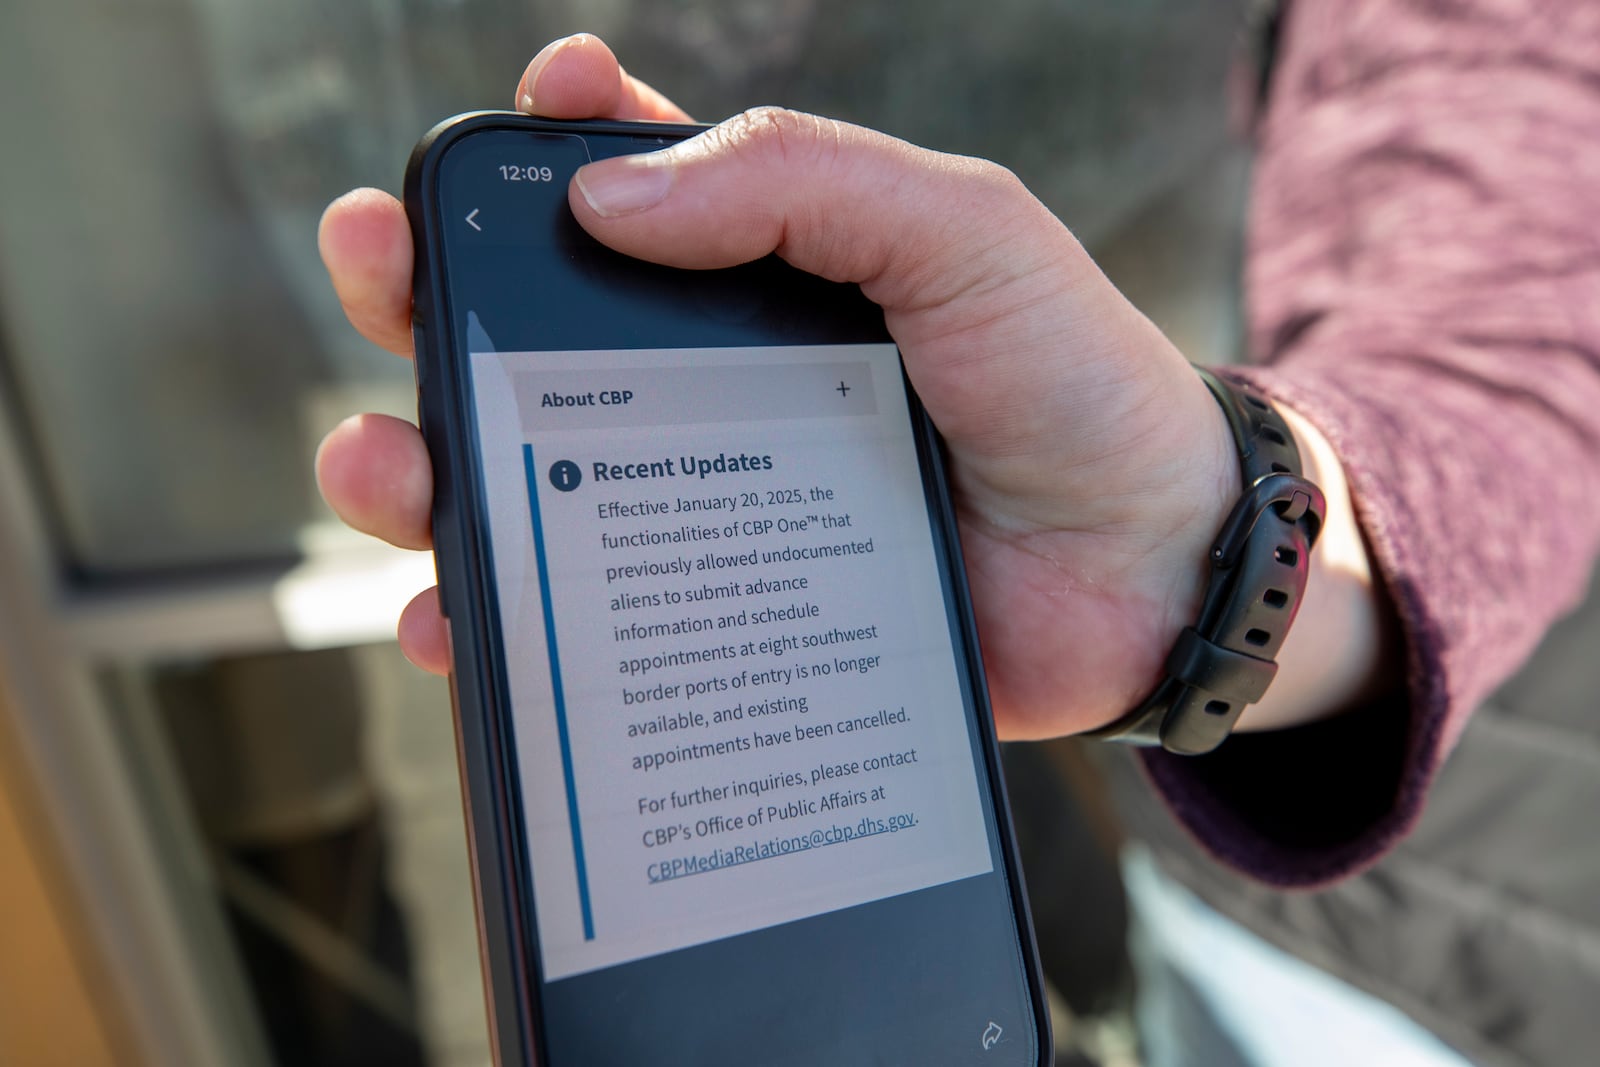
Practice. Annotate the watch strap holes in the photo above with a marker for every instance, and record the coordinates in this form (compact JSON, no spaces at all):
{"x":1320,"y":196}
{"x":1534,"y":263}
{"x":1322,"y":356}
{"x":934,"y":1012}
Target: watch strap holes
{"x":1224,"y":661}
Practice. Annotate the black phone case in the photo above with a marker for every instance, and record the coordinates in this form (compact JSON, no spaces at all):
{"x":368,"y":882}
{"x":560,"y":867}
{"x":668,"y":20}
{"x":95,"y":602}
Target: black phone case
{"x":508,"y":935}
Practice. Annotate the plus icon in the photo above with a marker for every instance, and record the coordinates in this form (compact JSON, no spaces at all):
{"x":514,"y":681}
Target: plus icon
{"x":842,"y":389}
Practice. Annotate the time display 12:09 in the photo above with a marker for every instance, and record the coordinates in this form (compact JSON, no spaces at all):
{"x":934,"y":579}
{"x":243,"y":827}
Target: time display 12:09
{"x":512,"y":173}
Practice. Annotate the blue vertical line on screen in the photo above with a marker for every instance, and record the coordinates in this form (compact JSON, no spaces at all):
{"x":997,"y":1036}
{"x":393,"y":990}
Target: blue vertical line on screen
{"x":557,"y":692}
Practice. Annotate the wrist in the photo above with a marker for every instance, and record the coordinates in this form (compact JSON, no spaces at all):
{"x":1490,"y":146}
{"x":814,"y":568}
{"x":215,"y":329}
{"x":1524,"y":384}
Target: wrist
{"x":1195,"y":490}
{"x":1257,"y":566}
{"x":1210,"y":489}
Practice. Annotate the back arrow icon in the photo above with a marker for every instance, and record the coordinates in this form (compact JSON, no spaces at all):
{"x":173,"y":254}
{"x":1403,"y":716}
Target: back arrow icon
{"x":474,"y":225}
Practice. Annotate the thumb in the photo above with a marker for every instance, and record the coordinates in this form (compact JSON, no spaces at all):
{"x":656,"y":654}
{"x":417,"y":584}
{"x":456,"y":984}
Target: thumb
{"x":833,"y":199}
{"x":987,"y":293}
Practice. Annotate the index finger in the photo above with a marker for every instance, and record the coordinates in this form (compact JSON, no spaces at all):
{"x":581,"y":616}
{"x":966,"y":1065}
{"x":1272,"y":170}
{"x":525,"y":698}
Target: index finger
{"x":578,"y":77}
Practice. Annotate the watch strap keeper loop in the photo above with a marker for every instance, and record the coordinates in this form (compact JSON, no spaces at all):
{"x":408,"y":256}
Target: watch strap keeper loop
{"x":1200,"y":664}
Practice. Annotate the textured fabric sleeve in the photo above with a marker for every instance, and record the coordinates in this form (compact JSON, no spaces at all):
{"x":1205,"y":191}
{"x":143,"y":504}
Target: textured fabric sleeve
{"x":1424,"y":286}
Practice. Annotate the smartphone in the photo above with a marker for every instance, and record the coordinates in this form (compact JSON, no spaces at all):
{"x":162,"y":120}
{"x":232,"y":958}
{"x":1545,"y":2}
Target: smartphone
{"x":732,"y":784}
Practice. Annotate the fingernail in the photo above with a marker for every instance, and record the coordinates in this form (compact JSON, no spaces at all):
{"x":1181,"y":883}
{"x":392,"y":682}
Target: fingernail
{"x":530,"y":77}
{"x":626,"y":185}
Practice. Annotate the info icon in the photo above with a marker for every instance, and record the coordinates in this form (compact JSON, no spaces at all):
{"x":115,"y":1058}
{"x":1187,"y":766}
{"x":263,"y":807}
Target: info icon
{"x":565,"y":475}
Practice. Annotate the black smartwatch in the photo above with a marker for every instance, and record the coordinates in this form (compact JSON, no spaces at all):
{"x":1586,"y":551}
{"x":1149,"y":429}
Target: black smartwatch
{"x":1258,"y":568}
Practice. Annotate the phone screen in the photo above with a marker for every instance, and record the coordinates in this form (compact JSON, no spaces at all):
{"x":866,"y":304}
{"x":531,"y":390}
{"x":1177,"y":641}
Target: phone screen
{"x":756,"y":806}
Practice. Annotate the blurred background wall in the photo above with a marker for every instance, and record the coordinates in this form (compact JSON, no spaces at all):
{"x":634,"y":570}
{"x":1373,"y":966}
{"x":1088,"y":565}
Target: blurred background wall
{"x":238,"y":804}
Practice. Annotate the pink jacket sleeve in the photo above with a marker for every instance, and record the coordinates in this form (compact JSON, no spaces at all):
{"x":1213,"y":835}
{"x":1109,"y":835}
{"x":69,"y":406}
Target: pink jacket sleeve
{"x":1424,"y":285}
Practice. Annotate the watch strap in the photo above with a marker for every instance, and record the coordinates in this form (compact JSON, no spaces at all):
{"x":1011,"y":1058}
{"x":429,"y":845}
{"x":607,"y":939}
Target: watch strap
{"x":1258,"y":563}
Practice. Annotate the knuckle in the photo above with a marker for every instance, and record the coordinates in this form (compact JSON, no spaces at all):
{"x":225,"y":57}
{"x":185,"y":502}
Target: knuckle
{"x":995,"y":181}
{"x":1003,"y":180}
{"x":1003,"y":199}
{"x":792,"y":137}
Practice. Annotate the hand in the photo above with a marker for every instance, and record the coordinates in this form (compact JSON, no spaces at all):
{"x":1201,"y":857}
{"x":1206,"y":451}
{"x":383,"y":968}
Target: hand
{"x":1090,"y":465}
